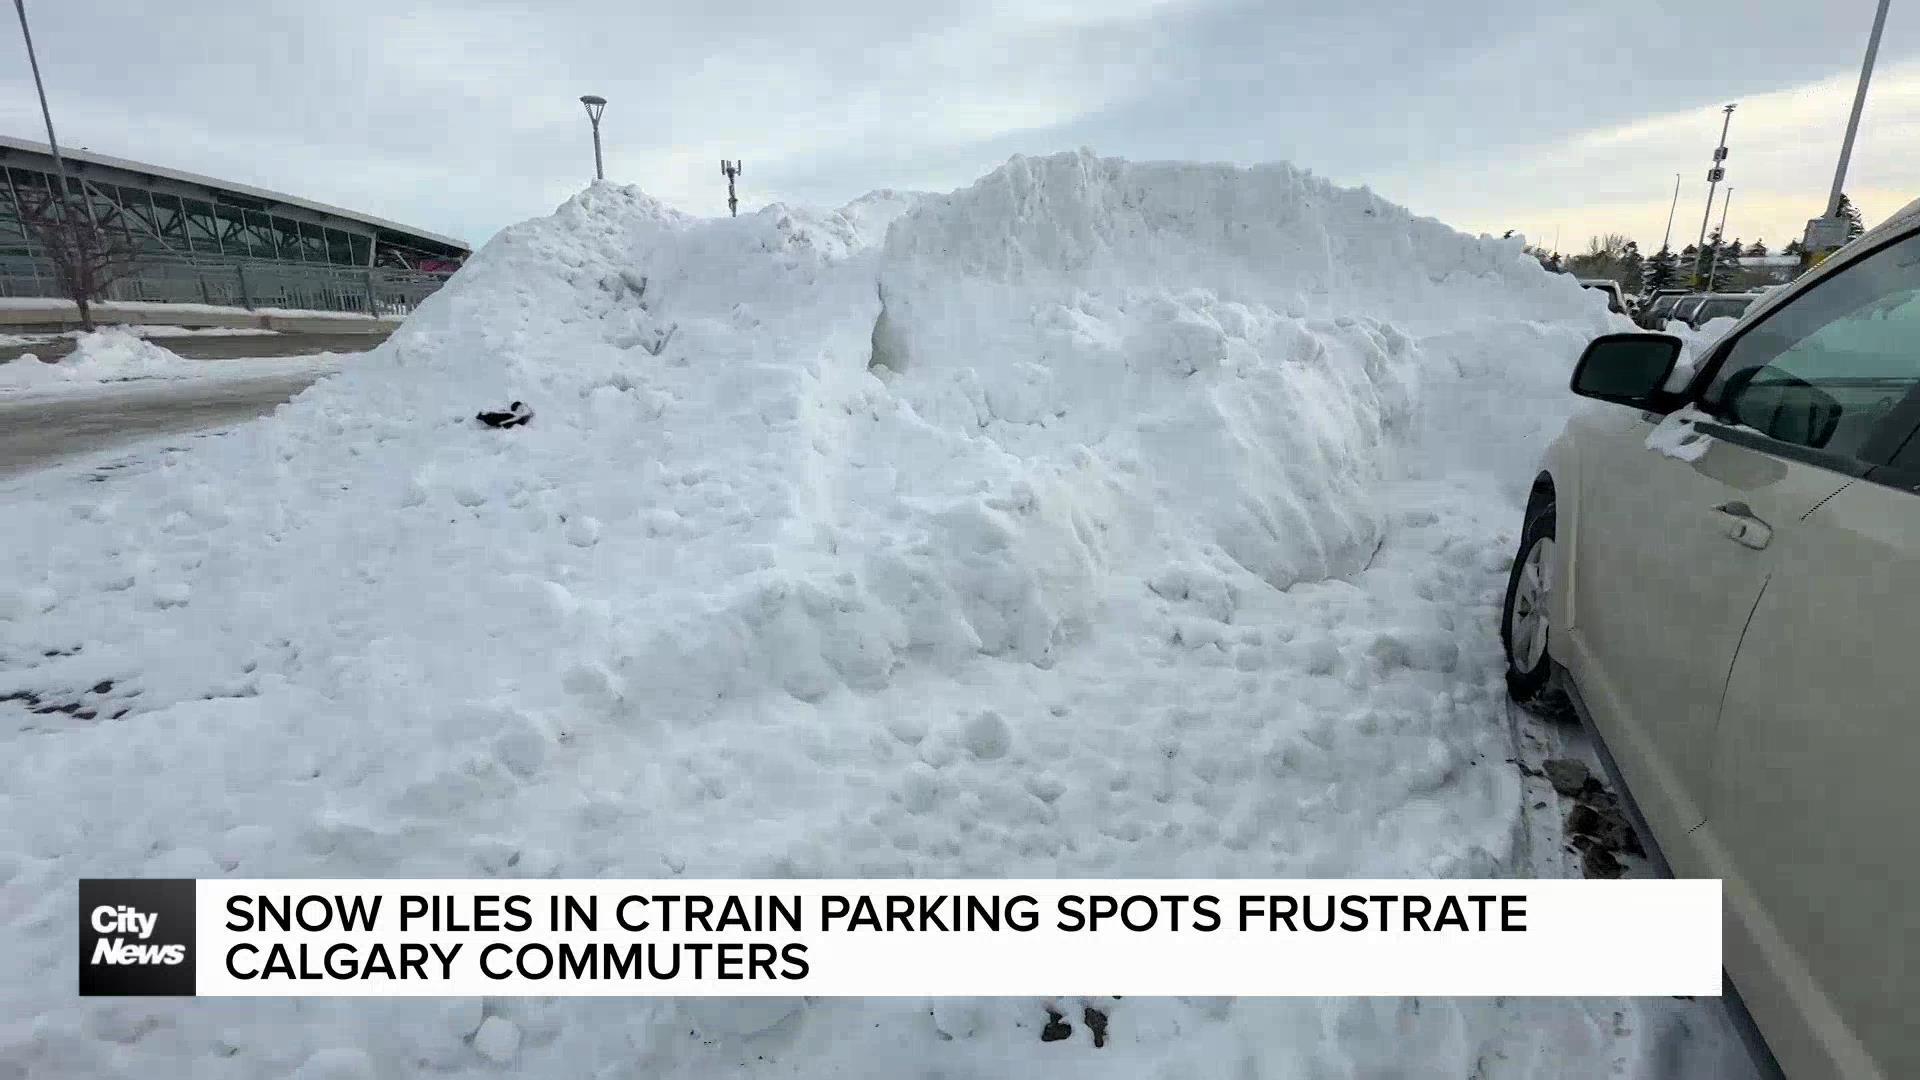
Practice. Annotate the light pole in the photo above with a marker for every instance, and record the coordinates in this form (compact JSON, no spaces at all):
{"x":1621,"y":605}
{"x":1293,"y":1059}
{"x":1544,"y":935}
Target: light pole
{"x":1859,"y":104}
{"x":595,"y":106}
{"x":1827,"y":232}
{"x":1667,"y":237}
{"x":53,"y":144}
{"x":1714,"y":175}
{"x":1714,"y":266}
{"x":731,"y":170}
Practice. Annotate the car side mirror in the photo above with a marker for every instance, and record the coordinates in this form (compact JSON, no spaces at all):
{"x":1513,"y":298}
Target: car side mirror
{"x":1626,"y":369}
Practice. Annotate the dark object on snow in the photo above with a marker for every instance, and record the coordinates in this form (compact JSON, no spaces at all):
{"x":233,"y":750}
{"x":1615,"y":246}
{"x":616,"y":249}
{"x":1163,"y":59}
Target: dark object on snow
{"x":1056,"y":1029}
{"x":1568,"y":777}
{"x":1096,"y":1023}
{"x":513,"y":416}
{"x":1583,"y":820}
{"x":1598,"y":862}
{"x":1606,"y":825}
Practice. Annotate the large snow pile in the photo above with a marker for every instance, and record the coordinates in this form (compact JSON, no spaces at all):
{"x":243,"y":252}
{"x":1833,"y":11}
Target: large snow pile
{"x":110,"y":354}
{"x":1104,"y":520}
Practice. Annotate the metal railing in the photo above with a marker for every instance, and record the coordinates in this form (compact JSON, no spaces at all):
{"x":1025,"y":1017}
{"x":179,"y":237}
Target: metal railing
{"x":250,"y":284}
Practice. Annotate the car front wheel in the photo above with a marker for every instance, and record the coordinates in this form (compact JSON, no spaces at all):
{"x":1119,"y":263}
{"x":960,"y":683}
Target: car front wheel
{"x":1525,"y":621}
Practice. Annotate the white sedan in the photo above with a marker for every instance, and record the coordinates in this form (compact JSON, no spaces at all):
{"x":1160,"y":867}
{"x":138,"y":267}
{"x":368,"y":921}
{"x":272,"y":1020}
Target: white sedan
{"x":1724,"y":578}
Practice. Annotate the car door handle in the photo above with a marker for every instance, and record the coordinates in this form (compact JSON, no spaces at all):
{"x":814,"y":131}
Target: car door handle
{"x":1742,"y":527}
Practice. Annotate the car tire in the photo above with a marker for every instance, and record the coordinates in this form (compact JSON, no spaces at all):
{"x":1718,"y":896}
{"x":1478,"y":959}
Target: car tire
{"x":1524,"y":626}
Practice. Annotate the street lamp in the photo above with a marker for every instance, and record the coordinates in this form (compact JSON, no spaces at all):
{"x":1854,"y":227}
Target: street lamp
{"x":53,"y":144}
{"x":595,"y":106}
{"x":1667,"y":237}
{"x":1714,"y":266}
{"x":1714,"y":175}
{"x":1824,"y":234}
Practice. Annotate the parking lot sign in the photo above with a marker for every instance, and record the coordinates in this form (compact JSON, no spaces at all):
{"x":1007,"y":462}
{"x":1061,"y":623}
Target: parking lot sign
{"x":1825,"y":233}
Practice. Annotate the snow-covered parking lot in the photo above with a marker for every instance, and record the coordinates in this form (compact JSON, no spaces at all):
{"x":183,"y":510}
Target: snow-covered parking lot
{"x":1100,"y":519}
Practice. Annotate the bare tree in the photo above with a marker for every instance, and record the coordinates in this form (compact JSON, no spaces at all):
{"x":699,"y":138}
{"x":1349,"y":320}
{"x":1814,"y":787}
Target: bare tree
{"x":87,"y":256}
{"x":1605,"y":257}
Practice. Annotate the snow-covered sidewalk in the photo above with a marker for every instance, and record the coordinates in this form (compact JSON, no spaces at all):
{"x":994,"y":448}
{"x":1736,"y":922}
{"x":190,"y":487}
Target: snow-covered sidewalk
{"x":1097,"y":520}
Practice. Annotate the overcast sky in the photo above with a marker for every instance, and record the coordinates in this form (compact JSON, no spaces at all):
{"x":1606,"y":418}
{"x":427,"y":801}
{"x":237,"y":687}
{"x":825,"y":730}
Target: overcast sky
{"x":462,"y":116}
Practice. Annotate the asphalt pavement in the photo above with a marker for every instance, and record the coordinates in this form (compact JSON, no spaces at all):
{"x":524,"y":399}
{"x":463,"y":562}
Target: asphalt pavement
{"x":41,"y":431}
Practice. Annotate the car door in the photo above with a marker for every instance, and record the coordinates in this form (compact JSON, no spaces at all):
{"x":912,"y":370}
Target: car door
{"x":1812,"y":810}
{"x":1673,"y":547}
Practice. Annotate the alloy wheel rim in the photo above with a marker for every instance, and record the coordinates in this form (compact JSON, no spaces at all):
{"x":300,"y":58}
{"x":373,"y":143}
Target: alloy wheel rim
{"x":1527,"y":629}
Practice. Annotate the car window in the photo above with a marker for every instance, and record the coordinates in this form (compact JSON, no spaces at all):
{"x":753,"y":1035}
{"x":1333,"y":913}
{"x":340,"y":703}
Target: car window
{"x":1907,"y":458}
{"x":1824,"y":368}
{"x":1664,"y":305}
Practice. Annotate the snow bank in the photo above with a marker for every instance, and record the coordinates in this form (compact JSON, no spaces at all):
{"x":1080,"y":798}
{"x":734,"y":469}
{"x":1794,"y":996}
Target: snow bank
{"x":106,"y":355}
{"x":141,"y":330}
{"x":54,"y":303}
{"x":1097,"y":520}
{"x":1239,"y":344}
{"x":112,"y":360}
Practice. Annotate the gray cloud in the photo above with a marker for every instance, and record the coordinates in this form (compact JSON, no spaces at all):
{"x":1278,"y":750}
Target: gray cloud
{"x":461,"y":117}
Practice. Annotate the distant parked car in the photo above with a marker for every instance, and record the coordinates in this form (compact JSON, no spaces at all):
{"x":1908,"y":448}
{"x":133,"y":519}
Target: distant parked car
{"x":1656,"y":312}
{"x":1616,"y":297}
{"x":1716,"y":306}
{"x":1684,"y":308}
{"x":1721,"y":578}
{"x":1653,"y":296}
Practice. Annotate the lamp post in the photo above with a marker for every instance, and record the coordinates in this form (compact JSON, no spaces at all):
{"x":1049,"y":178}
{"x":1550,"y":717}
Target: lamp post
{"x":1714,"y":175}
{"x":1667,"y":237}
{"x":1713,"y":267}
{"x":1859,"y":104}
{"x":1827,"y":233}
{"x":53,"y":144}
{"x":731,"y":170}
{"x":595,"y":106}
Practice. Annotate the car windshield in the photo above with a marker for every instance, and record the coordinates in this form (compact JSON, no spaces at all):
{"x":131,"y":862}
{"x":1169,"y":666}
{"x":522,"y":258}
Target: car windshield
{"x":1664,"y":305}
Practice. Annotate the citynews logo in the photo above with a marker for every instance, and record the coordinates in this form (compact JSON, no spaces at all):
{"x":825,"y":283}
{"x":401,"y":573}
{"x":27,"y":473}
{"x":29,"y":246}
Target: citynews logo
{"x":136,"y":937}
{"x":118,"y":950}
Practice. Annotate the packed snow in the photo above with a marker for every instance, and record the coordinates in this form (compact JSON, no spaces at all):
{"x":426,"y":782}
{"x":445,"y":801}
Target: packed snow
{"x":1099,"y":519}
{"x":102,"y":356}
{"x":122,"y":354}
{"x":157,"y":307}
{"x":139,"y":330}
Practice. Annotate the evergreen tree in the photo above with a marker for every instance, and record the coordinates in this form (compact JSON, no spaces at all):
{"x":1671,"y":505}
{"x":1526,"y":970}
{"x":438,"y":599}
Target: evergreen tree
{"x":1726,"y":273}
{"x":1855,"y":226}
{"x":1758,"y":249}
{"x":1632,"y":268}
{"x":1661,"y":270}
{"x":1703,"y":258}
{"x":1794,"y":247}
{"x":1553,"y":263}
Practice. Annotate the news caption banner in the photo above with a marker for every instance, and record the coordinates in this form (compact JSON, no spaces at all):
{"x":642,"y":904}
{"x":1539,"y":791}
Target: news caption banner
{"x":860,"y":938}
